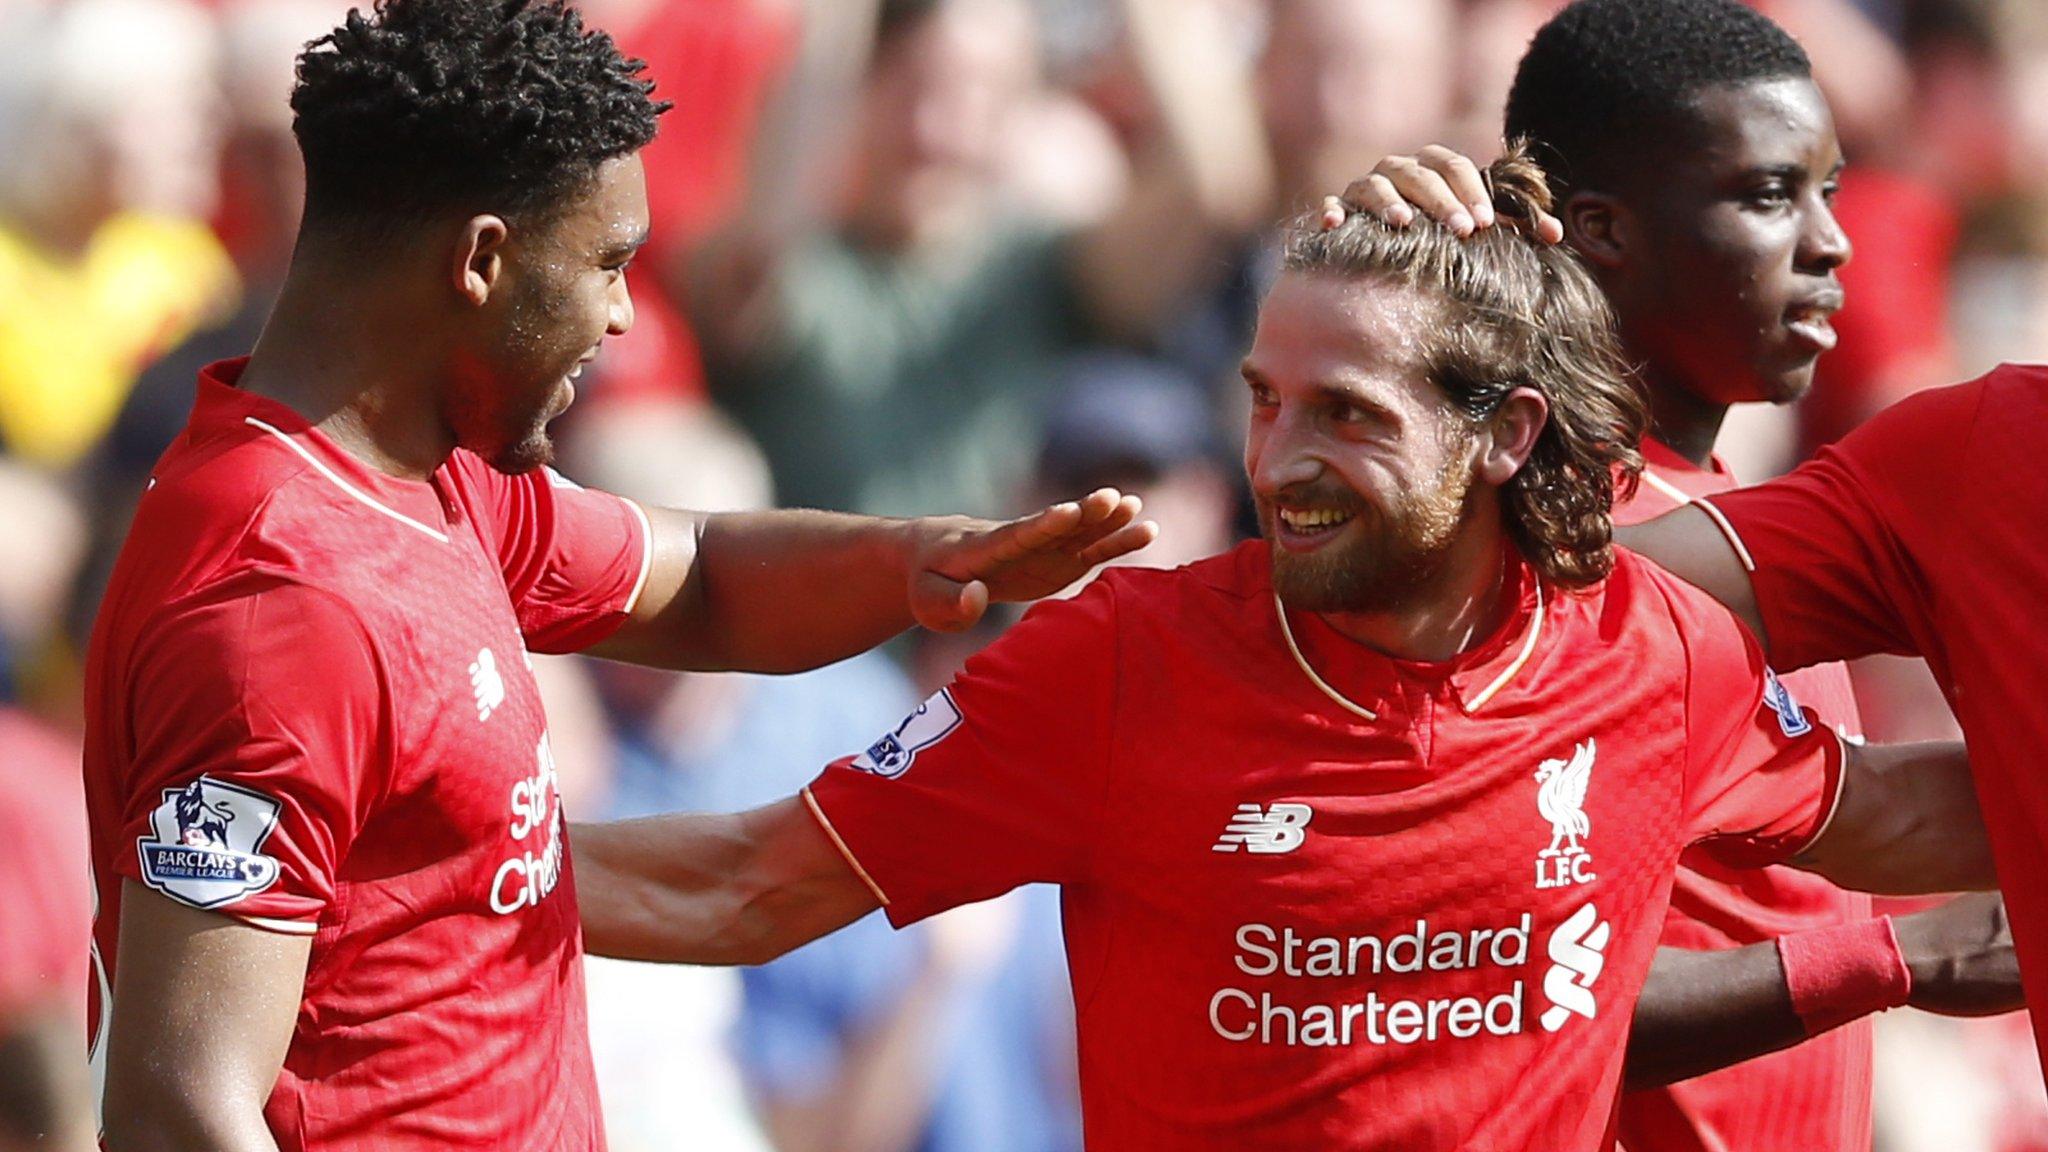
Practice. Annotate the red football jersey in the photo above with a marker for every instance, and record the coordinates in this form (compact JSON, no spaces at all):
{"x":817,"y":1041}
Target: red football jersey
{"x":310,"y":708}
{"x":1318,"y":898}
{"x":1921,"y":534}
{"x":1812,"y":1098}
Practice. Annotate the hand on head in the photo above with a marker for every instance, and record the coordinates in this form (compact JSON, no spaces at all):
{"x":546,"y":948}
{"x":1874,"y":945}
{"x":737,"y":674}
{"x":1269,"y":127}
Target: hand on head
{"x":1442,"y":184}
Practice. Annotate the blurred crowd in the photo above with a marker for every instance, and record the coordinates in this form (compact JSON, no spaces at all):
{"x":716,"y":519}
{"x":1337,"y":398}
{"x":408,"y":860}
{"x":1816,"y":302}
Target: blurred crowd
{"x":918,"y":256}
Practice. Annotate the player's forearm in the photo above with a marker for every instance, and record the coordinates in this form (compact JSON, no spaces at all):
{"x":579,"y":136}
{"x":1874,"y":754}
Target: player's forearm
{"x":778,"y":591}
{"x":1706,"y":1010}
{"x":1907,"y":823}
{"x":664,"y":888}
{"x":690,"y":888}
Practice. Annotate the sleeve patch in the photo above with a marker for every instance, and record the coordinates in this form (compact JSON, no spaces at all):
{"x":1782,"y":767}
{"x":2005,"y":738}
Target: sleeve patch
{"x":205,"y":846}
{"x":1792,"y":720}
{"x":892,"y":755}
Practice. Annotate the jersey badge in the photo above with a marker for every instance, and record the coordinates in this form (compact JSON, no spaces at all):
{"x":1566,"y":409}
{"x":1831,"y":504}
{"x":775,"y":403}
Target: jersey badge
{"x":1274,"y":829}
{"x":206,"y":843}
{"x":1578,"y":951}
{"x":1792,"y":720}
{"x":1561,"y":799}
{"x":488,"y":685}
{"x":892,"y":755}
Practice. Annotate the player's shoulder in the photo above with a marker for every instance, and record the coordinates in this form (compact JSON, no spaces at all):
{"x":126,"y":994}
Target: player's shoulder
{"x":1662,"y":608}
{"x":1220,"y":583}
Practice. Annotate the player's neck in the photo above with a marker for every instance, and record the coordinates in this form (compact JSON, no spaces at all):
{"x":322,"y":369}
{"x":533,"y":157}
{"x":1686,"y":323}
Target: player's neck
{"x":1458,"y":611}
{"x":371,"y":396}
{"x":1681,"y":420}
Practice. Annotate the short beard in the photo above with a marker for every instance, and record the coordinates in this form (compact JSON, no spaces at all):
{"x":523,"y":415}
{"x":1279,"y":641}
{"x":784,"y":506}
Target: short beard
{"x":1393,"y":566}
{"x":534,"y":450}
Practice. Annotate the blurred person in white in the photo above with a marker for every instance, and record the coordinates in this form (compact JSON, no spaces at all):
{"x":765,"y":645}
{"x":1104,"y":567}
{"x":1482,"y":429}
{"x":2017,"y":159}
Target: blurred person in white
{"x":952,"y":1038}
{"x":105,"y":114}
{"x":890,"y":336}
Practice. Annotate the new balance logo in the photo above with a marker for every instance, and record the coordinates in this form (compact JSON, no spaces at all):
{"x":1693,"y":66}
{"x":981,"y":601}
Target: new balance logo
{"x":1276,"y":828}
{"x":1577,"y":954}
{"x":488,"y":685}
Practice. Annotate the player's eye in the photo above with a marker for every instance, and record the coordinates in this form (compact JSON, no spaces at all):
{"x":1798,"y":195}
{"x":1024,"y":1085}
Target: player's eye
{"x":1772,"y":195}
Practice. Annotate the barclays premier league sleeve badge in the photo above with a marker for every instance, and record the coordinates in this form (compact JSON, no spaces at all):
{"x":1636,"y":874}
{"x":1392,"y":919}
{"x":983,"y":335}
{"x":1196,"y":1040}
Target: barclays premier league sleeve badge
{"x":206,"y":844}
{"x":892,"y":755}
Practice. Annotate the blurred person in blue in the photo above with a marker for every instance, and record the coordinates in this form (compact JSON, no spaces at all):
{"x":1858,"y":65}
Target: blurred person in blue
{"x":952,"y":1037}
{"x":105,"y":257}
{"x":887,"y":315}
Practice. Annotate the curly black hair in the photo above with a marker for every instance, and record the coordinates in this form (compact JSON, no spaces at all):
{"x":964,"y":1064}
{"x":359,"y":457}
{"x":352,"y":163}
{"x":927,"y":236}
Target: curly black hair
{"x":425,"y":106}
{"x":1606,"y":80}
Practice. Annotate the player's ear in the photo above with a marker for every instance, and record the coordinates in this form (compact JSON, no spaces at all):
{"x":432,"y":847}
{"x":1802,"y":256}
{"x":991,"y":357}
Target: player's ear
{"x":479,"y":257}
{"x":1510,"y":434}
{"x":1595,"y":223}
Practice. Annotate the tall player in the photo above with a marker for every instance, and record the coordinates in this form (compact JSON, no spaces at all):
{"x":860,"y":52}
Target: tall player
{"x":336,"y":902}
{"x":1719,"y":259}
{"x":1365,"y":829}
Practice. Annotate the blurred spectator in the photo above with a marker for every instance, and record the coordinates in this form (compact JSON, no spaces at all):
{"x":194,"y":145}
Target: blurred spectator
{"x":106,"y":118}
{"x":892,"y":357}
{"x":1141,"y":426}
{"x":45,"y":929}
{"x":35,"y":580}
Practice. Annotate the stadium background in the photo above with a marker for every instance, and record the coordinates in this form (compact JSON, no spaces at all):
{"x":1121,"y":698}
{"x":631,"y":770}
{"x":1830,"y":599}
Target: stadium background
{"x":984,"y":255}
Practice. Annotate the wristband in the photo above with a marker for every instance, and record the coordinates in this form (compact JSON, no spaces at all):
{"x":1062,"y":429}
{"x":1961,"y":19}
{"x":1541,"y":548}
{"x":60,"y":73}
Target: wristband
{"x":1844,"y":972}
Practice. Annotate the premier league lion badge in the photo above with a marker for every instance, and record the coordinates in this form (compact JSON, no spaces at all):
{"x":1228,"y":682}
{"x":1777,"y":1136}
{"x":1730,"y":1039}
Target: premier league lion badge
{"x":893,"y":754}
{"x":207,"y":843}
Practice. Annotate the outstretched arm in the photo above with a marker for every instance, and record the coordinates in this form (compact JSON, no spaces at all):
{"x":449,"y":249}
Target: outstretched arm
{"x":701,"y":889}
{"x":786,"y":591}
{"x":1702,"y":1011}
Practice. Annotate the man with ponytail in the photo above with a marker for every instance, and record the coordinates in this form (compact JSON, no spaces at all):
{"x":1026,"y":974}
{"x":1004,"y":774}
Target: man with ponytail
{"x":1365,"y":829}
{"x":1719,"y":259}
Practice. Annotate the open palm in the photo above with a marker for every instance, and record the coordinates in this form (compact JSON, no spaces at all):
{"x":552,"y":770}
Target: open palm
{"x":965,"y":564}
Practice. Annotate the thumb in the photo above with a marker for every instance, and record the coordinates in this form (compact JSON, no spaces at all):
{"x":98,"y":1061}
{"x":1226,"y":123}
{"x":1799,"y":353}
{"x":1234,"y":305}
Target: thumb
{"x":945,"y":605}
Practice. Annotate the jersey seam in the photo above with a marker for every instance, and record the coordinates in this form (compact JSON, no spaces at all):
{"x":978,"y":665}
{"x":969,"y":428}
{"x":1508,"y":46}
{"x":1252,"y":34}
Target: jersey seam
{"x":1096,"y":839}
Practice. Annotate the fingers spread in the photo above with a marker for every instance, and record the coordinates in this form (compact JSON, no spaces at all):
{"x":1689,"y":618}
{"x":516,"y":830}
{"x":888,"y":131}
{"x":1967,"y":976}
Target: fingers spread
{"x":1122,"y":542}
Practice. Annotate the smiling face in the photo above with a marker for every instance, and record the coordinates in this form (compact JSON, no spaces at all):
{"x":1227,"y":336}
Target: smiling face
{"x":1723,"y":277}
{"x":562,"y":291}
{"x":1362,"y":470}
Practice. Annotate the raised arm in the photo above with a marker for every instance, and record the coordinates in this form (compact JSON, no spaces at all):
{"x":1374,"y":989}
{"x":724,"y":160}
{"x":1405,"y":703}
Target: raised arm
{"x":1907,"y":823}
{"x":202,"y":1012}
{"x":1702,"y":1011}
{"x":703,"y":889}
{"x":786,"y":591}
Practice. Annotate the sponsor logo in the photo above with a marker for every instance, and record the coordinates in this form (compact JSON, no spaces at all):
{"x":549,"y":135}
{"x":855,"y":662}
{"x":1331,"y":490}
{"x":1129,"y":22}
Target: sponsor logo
{"x":206,"y":843}
{"x":524,"y":880}
{"x":892,"y":755}
{"x":1276,"y":828}
{"x":1577,"y":954}
{"x":1791,"y":720}
{"x":488,"y":685}
{"x":1561,"y":799}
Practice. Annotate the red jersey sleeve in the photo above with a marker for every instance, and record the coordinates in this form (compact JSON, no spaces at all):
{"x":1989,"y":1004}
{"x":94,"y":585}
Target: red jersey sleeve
{"x":1762,"y":774}
{"x":575,"y":559}
{"x":996,"y":781}
{"x":262,"y":740}
{"x":1831,"y":577}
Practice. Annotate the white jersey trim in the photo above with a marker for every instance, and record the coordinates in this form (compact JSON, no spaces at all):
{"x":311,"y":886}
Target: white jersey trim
{"x":1728,"y":532}
{"x":340,"y":483}
{"x":1666,"y":487}
{"x":287,"y":927}
{"x":1521,"y":658}
{"x":1834,"y":804}
{"x":832,"y":834}
{"x":646,"y":554}
{"x":1301,"y":662}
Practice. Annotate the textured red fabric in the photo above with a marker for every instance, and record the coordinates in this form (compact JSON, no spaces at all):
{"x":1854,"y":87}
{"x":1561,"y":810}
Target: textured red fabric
{"x":1844,"y":972}
{"x":1156,"y":747}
